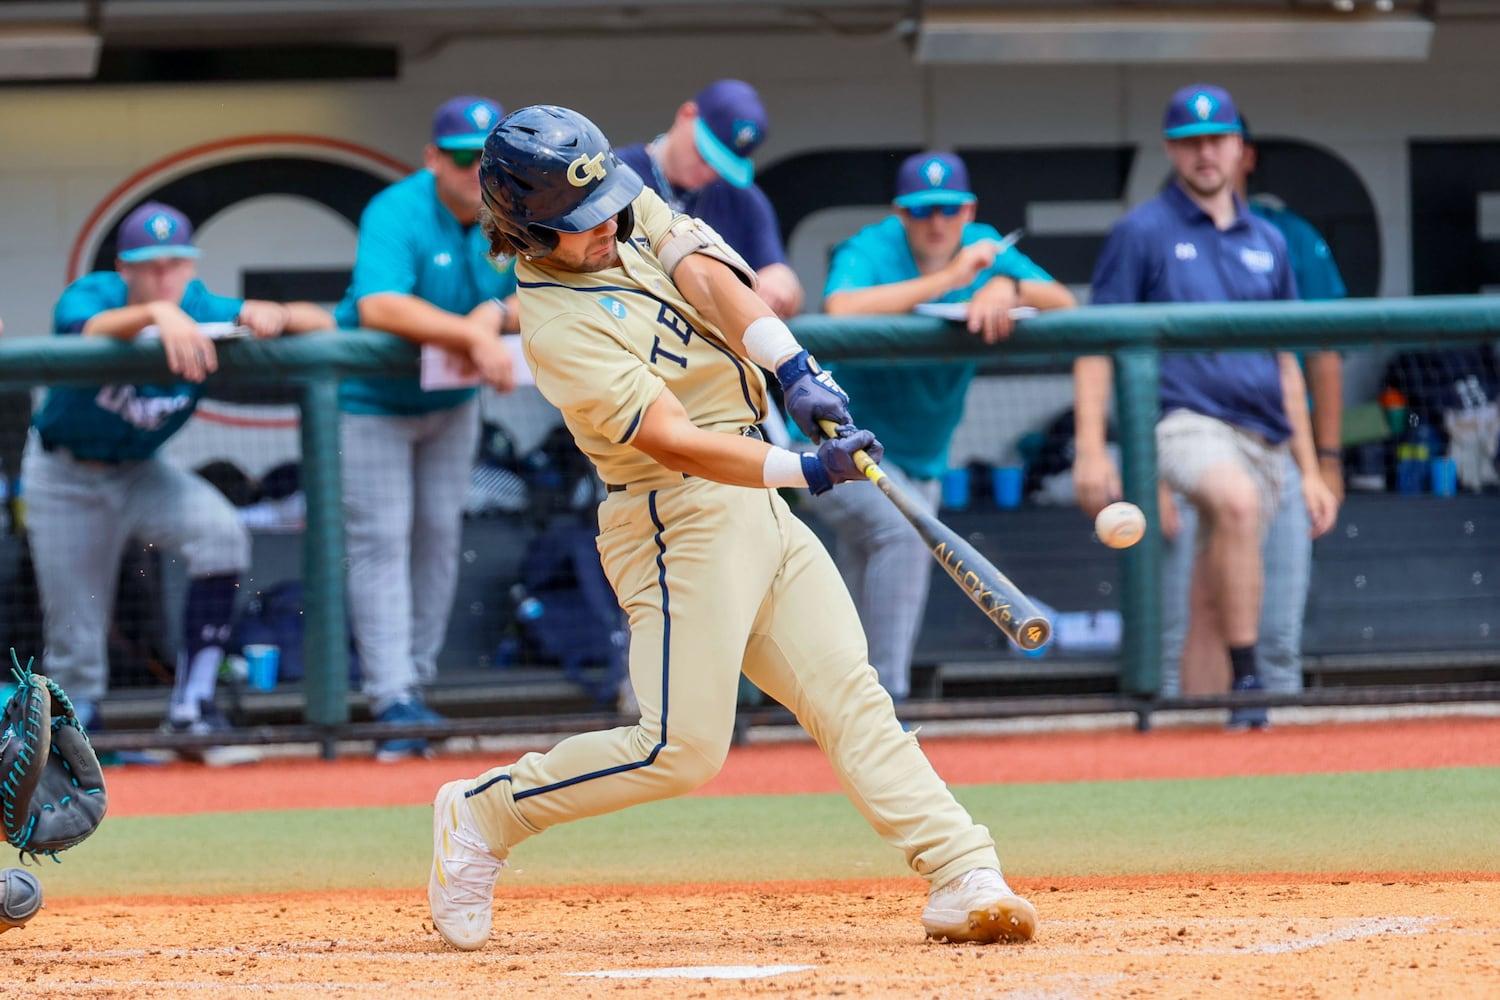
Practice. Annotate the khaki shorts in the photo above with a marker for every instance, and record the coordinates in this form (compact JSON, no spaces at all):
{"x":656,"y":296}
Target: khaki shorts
{"x":1188,"y":444}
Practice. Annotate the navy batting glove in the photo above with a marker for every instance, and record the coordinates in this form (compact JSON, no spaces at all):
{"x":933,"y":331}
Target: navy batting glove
{"x":834,"y":460}
{"x":811,"y":395}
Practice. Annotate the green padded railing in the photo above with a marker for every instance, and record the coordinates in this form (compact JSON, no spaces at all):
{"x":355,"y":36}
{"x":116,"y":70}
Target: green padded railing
{"x":315,"y":362}
{"x":1135,"y":335}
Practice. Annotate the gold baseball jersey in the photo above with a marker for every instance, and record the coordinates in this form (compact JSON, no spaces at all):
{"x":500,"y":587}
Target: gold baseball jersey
{"x":715,"y":580}
{"x":602,"y":345}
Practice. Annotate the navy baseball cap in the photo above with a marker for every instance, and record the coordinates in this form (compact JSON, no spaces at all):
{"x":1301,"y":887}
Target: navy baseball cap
{"x":155,"y":230}
{"x":731,"y":123}
{"x":1200,"y":109}
{"x":464,"y":122}
{"x":933,"y":179}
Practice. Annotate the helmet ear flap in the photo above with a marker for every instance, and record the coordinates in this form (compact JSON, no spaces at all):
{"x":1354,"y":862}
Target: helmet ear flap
{"x":543,"y":241}
{"x":626,"y":223}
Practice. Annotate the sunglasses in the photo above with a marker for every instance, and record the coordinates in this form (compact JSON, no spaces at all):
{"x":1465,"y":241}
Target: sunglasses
{"x":925,"y":211}
{"x":464,"y":158}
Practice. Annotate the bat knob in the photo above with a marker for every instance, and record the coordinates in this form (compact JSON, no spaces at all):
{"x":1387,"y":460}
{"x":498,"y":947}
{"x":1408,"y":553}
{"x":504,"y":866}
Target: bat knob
{"x":1033,"y":633}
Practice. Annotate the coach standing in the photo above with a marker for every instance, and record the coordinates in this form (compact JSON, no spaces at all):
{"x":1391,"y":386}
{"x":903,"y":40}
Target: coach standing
{"x":420,"y":272}
{"x":1227,"y":419}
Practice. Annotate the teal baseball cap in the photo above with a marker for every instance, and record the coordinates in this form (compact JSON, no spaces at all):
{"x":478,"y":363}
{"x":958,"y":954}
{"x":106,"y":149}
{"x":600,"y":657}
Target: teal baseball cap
{"x":932,"y":179}
{"x":1201,"y":109}
{"x":154,"y":231}
{"x":731,"y":123}
{"x":464,"y":122}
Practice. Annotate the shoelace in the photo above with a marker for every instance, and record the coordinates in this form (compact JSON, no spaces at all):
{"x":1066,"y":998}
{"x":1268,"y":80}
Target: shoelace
{"x":472,"y":873}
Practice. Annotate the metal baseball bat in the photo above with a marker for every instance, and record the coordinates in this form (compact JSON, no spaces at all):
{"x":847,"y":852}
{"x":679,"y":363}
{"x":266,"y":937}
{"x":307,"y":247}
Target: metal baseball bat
{"x":1002,"y":601}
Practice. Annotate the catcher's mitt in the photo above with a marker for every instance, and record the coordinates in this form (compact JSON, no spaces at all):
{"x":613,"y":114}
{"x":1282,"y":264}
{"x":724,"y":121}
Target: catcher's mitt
{"x":52,"y":793}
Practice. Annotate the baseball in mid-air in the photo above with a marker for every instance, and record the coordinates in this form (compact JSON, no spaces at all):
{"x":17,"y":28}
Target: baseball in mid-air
{"x":1120,"y":525}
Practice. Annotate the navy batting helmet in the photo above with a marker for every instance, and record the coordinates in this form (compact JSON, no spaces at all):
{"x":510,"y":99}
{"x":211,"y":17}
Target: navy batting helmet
{"x":549,"y":170}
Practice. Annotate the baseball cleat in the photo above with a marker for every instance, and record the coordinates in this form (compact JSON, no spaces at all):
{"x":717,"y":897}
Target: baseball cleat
{"x":461,"y":888}
{"x":978,"y":906}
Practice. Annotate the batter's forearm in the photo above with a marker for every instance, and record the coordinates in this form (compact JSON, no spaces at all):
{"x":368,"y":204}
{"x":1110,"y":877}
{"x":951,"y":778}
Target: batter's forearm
{"x":720,"y":297}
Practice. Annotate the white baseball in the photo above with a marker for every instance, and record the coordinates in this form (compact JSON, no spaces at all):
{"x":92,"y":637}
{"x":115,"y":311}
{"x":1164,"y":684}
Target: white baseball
{"x":1120,"y":525}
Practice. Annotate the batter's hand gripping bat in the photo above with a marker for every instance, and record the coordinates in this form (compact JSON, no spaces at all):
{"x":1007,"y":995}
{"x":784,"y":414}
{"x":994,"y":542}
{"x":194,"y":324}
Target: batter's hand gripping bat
{"x":1001,"y":600}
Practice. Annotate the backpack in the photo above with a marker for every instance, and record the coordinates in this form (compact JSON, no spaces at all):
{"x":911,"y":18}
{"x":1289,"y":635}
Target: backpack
{"x":567,"y":613}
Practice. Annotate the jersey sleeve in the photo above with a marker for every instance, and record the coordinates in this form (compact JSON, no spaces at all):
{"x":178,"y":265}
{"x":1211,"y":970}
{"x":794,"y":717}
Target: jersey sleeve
{"x":386,"y":257}
{"x":852,"y":268}
{"x":84,"y":299}
{"x":206,"y":307}
{"x":1316,"y":271}
{"x":589,"y":375}
{"x":653,"y":217}
{"x":1121,"y":270}
{"x":1015,"y":264}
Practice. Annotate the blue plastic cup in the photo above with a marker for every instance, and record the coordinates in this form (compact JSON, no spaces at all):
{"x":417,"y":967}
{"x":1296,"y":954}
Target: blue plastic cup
{"x":956,"y":489}
{"x":1007,"y":481}
{"x":1444,"y":477}
{"x":262,"y":664}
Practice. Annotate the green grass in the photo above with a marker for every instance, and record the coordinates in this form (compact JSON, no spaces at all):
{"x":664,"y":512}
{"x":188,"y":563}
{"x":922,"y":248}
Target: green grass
{"x":1438,"y":820}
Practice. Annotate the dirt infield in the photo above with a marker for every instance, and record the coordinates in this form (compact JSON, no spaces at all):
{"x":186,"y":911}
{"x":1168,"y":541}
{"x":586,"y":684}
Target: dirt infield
{"x":1227,"y":937}
{"x":1361,"y":934}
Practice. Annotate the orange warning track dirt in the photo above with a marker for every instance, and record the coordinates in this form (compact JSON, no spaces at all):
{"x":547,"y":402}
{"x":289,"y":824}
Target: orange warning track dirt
{"x":300,"y":783}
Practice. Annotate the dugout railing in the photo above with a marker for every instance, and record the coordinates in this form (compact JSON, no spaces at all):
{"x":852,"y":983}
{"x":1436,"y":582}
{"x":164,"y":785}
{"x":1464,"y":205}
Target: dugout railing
{"x":1135,"y":336}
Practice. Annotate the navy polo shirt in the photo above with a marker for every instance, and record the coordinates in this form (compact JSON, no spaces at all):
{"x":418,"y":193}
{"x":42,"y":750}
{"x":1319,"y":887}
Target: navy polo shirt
{"x":1169,"y":250}
{"x":743,"y":216}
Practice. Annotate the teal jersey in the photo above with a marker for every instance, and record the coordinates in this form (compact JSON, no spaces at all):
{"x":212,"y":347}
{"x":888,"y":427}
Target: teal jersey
{"x":120,"y":423}
{"x":1312,"y":261}
{"x":410,"y":243}
{"x":912,"y":408}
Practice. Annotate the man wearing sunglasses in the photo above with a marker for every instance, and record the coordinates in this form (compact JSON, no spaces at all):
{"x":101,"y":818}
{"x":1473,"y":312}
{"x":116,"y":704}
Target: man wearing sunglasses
{"x":421,"y":272}
{"x":929,"y":251}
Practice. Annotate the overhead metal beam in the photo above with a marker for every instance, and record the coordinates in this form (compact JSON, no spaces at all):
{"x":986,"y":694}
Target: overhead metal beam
{"x":973,"y":37}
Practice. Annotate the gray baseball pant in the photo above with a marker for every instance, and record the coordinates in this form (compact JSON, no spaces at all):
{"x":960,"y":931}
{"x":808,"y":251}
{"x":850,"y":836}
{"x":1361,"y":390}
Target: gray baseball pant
{"x":886,"y":566}
{"x":405,"y":482}
{"x":79,"y":517}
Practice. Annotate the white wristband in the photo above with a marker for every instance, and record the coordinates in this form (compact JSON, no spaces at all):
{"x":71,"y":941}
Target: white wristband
{"x":783,"y":468}
{"x":768,"y":340}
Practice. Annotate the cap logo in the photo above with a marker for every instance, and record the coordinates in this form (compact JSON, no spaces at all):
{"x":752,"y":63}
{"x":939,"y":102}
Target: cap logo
{"x":481,"y":115}
{"x":936,"y":172}
{"x":586,"y":168}
{"x":161,"y":227}
{"x":1203,"y":105}
{"x":745,"y":133}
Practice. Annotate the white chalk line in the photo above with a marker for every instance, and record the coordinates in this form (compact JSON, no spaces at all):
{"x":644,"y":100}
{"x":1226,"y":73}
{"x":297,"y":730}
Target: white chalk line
{"x":696,"y":972}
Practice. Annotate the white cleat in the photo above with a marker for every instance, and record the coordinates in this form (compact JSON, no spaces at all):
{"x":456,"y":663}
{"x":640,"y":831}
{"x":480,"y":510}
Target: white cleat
{"x":461,"y":888}
{"x":978,"y":906}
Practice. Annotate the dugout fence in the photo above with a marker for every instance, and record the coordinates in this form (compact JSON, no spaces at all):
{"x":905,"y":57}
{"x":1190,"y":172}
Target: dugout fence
{"x":311,"y":367}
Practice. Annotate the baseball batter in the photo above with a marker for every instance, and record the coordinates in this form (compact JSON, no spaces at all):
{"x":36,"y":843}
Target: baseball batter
{"x":642,"y":327}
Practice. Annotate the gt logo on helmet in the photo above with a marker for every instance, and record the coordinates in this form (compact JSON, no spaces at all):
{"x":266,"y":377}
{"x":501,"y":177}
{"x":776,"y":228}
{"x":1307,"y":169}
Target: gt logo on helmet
{"x":585,"y":169}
